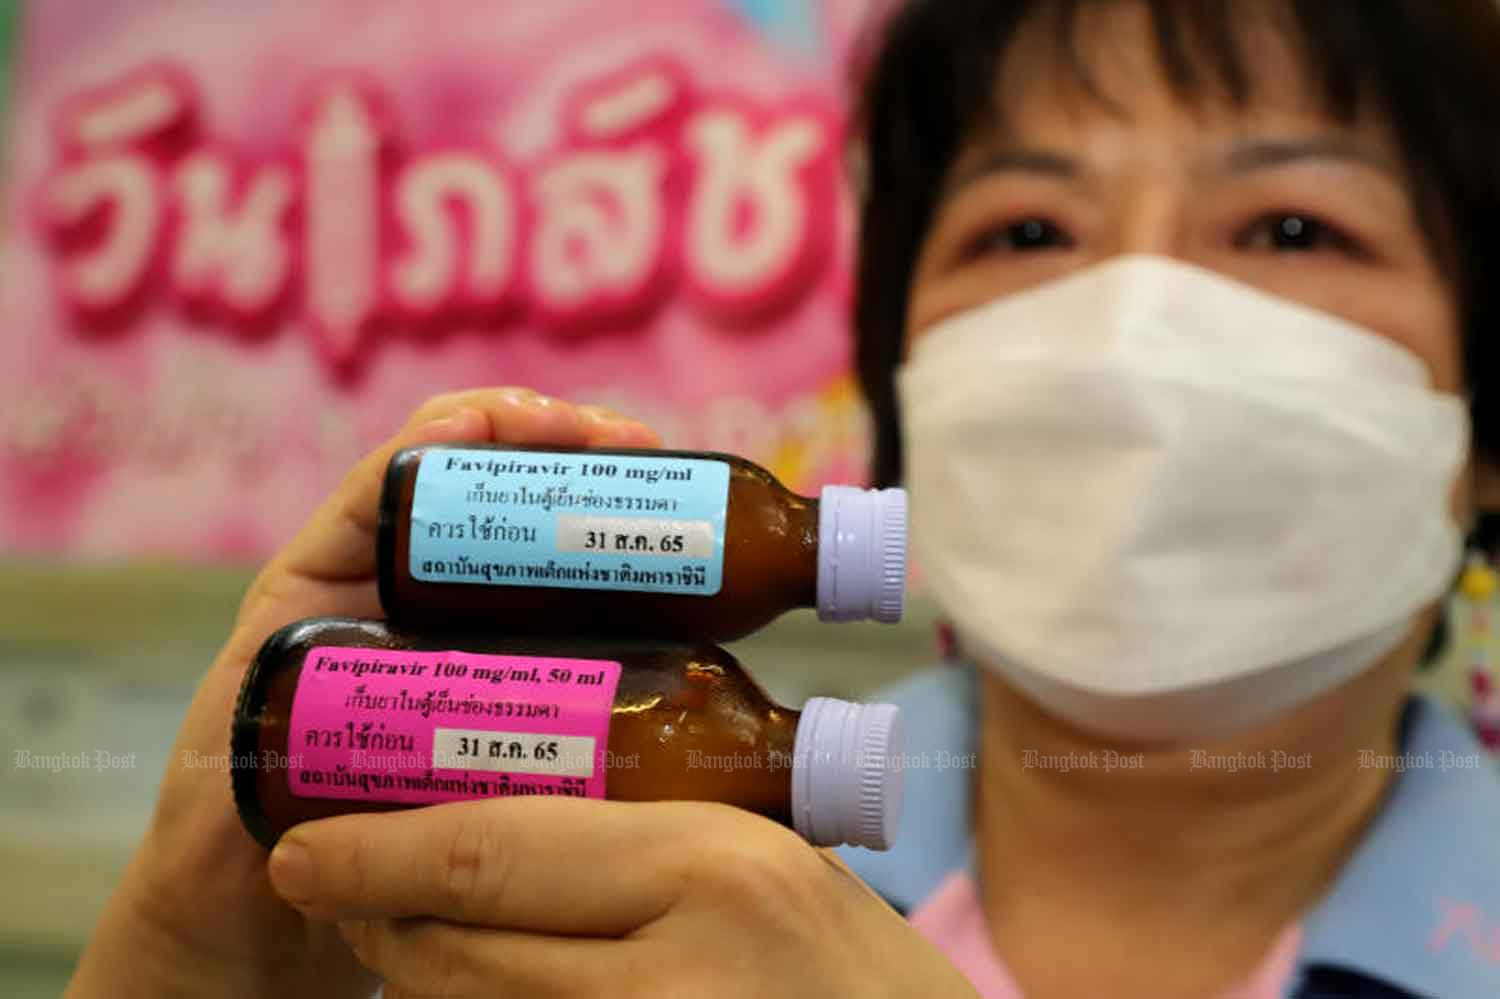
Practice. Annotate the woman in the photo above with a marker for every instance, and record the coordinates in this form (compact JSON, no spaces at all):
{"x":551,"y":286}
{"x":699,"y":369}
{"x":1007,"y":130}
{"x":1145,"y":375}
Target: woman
{"x":1180,"y":299}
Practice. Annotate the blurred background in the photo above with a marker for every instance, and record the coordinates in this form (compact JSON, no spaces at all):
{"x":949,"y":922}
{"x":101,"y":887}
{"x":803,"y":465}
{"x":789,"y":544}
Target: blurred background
{"x":241,"y":241}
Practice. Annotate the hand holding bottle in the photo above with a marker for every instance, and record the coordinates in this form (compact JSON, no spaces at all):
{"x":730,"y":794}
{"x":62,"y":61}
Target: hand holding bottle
{"x":194,"y":913}
{"x":534,"y":896}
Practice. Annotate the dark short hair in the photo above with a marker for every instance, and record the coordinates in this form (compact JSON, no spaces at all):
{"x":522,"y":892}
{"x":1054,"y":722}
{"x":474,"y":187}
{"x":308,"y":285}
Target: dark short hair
{"x":1430,"y":67}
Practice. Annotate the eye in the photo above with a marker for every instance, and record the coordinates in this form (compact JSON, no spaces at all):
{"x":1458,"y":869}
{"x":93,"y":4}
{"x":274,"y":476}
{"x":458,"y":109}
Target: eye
{"x":1025,"y":236}
{"x":1294,"y":232}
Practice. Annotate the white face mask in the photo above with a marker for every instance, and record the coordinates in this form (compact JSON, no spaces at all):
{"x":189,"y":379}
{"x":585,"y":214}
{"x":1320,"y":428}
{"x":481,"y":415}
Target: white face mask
{"x":1166,"y":504}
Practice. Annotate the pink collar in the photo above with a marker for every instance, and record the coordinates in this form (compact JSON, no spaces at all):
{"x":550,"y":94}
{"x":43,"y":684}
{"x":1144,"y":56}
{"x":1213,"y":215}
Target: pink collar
{"x":953,"y":919}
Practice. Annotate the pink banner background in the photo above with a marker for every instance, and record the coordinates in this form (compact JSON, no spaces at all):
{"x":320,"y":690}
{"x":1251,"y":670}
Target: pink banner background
{"x":165,"y":433}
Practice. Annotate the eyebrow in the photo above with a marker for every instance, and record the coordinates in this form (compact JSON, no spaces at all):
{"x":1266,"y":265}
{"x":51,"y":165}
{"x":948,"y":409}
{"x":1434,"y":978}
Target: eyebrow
{"x":1266,"y":154}
{"x":1243,"y":157}
{"x":1016,"y":160}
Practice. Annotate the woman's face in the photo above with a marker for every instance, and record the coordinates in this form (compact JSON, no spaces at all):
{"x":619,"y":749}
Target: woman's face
{"x":1275,"y":194}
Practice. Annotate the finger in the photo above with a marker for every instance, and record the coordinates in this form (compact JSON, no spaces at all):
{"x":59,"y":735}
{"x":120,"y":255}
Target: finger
{"x":328,"y":565}
{"x":337,"y":543}
{"x":547,"y":865}
{"x":429,"y":958}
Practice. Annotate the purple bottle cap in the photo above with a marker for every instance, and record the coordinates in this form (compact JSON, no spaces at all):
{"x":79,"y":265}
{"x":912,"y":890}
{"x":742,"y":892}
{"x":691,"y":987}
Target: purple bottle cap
{"x":861,"y":554}
{"x":846,"y":773}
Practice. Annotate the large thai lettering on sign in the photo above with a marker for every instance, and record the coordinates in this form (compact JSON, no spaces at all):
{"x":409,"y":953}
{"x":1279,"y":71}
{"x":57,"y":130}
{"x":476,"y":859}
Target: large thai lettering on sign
{"x":656,"y":189}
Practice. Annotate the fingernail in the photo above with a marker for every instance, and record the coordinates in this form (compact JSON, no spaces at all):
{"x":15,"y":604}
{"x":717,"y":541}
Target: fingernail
{"x":597,"y":414}
{"x":603,"y":415}
{"x":522,"y":397}
{"x":292,"y":873}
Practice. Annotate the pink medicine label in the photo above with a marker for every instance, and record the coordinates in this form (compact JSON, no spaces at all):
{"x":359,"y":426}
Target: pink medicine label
{"x":425,"y":727}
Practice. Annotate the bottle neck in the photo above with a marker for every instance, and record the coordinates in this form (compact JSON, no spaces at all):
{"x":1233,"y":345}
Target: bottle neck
{"x":781,"y":742}
{"x":802,"y":515}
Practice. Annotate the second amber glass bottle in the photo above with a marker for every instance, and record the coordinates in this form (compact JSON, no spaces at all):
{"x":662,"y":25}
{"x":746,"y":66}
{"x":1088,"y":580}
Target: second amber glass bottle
{"x":691,"y":545}
{"x":338,"y":715}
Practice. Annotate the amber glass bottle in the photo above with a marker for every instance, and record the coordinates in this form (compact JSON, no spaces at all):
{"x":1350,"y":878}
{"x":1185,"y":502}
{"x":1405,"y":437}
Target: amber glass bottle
{"x":340,"y":715}
{"x":690,"y":545}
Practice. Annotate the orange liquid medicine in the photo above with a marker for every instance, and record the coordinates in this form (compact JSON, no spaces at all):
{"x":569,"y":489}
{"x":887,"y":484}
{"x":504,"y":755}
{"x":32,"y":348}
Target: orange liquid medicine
{"x":339,"y":715}
{"x":689,"y":545}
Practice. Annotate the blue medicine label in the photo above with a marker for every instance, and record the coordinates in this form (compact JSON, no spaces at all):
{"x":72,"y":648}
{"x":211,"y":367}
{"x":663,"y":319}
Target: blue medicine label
{"x":570,"y":520}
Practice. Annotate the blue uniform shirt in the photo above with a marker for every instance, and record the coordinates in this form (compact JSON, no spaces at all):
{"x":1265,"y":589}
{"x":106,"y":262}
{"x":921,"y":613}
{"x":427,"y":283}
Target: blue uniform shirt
{"x":1414,"y":912}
